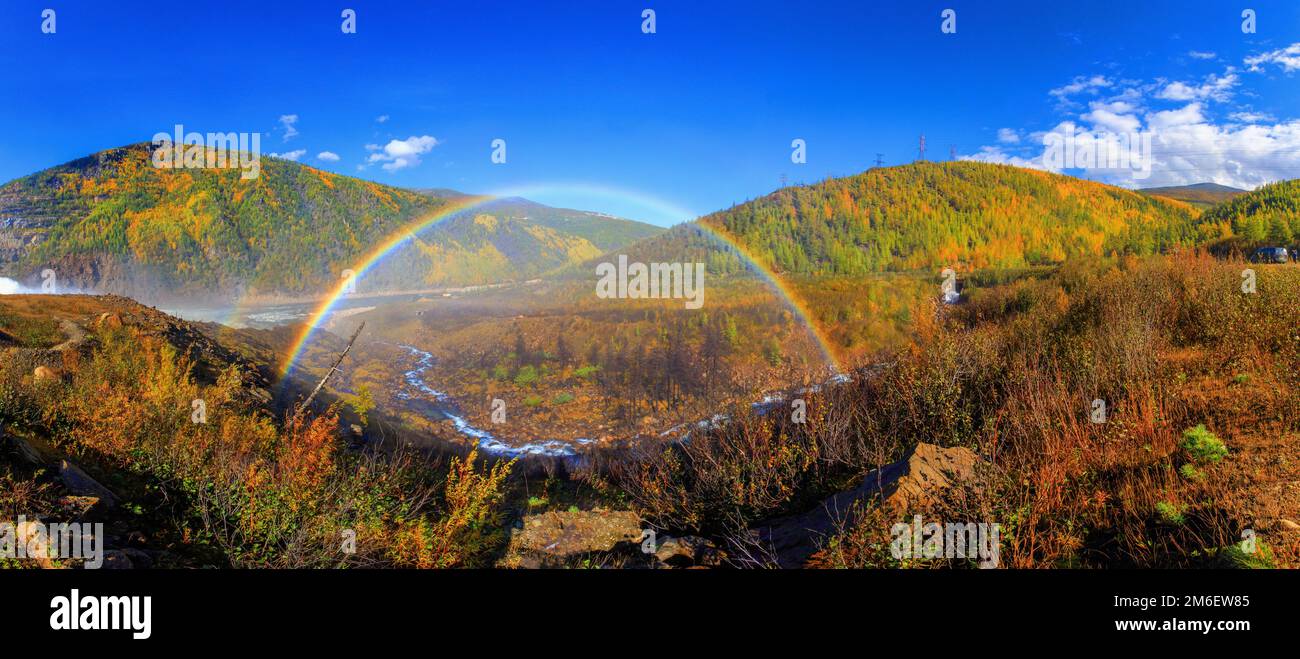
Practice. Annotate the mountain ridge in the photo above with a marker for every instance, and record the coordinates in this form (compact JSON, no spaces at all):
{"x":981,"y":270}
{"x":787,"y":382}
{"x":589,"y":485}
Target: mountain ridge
{"x":112,"y":222}
{"x":1200,"y":195}
{"x":928,"y":216}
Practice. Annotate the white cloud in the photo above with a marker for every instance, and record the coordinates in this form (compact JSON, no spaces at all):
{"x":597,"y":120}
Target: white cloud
{"x":291,"y":155}
{"x":1113,"y":117}
{"x":995,"y":155}
{"x":328,"y":156}
{"x":383,"y":118}
{"x":1288,"y":58}
{"x":1089,"y":84}
{"x":1251,"y":117}
{"x":1008,"y":136}
{"x":1217,"y":88}
{"x":1197,"y":130}
{"x":1240,"y":155}
{"x":288,"y":120}
{"x":400,"y":154}
{"x":1201,"y":54}
{"x":1187,"y":115}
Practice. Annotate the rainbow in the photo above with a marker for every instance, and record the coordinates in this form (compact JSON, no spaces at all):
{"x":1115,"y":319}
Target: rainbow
{"x":786,"y":291}
{"x":408,"y":232}
{"x":372,"y":258}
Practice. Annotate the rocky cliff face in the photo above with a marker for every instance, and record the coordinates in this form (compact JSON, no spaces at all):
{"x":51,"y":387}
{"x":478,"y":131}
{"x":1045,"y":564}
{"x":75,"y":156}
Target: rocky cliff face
{"x":22,"y":227}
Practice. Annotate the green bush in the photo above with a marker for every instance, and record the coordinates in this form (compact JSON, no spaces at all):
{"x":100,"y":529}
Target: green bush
{"x":563,"y":397}
{"x":1203,"y":445}
{"x":1236,"y":557}
{"x":526,"y":376}
{"x":1171,"y":513}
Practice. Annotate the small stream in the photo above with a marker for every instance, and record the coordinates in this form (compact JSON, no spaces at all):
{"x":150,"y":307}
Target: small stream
{"x":442,"y":405}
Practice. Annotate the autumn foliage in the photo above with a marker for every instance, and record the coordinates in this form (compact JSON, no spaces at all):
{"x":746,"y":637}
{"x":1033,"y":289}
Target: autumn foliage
{"x":257,"y":492}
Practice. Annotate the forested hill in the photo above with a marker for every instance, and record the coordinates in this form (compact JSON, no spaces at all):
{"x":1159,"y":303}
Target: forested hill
{"x":113,"y":219}
{"x":1269,"y":214}
{"x":113,"y":222}
{"x":927,"y":215}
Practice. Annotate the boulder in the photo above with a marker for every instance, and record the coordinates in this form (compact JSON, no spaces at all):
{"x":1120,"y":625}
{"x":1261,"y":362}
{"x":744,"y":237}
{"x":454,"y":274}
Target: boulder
{"x":24,"y":450}
{"x":45,"y":374}
{"x":688,"y":551}
{"x":902,"y":487}
{"x":76,"y":507}
{"x":916,"y":480}
{"x":108,"y":320}
{"x":81,"y":484}
{"x":116,"y":559}
{"x":140,"y":559}
{"x":556,"y":538}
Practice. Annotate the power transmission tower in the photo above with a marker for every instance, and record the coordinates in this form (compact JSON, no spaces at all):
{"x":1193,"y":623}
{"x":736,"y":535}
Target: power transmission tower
{"x":880,"y":159}
{"x":952,"y":152}
{"x":922,"y":147}
{"x":783,"y":180}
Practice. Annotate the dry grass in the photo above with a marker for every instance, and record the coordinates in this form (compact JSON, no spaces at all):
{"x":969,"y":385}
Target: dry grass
{"x":258,"y":492}
{"x":1168,"y":343}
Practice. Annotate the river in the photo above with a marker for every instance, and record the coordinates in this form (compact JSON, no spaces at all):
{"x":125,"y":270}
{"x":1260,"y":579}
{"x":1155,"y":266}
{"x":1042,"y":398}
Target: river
{"x":444,"y":405}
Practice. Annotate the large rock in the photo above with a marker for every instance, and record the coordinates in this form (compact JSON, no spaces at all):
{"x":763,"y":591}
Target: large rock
{"x":81,"y":484}
{"x":903,"y":486}
{"x":688,"y":551}
{"x":916,"y":480}
{"x":24,"y":450}
{"x":76,"y":507}
{"x":108,"y":320}
{"x":116,"y":559}
{"x":45,"y":374}
{"x":558,"y":538}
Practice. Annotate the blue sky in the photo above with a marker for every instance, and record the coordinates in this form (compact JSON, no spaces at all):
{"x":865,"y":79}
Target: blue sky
{"x":701,"y":114}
